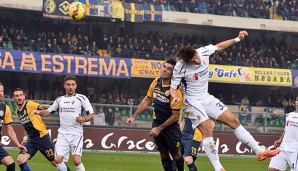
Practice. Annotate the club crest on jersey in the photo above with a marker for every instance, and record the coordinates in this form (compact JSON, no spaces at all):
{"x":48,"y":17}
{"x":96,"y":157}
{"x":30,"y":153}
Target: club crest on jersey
{"x":72,"y":102}
{"x":1,"y":113}
{"x":167,"y":92}
{"x":196,"y":76}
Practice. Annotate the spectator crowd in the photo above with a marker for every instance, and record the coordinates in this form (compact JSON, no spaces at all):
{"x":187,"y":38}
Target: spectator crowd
{"x":288,"y":9}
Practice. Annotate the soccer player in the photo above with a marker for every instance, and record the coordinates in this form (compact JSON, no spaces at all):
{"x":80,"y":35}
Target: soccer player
{"x":70,"y":132}
{"x":165,"y":127}
{"x":190,"y":143}
{"x":192,"y":71}
{"x":37,"y":138}
{"x":288,"y":144}
{"x":6,"y":119}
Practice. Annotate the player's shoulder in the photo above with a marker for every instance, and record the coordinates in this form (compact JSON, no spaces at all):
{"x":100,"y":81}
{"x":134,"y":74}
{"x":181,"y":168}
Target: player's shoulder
{"x":207,"y":48}
{"x":58,"y":99}
{"x":292,"y":114}
{"x":179,"y":67}
{"x":81,"y":97}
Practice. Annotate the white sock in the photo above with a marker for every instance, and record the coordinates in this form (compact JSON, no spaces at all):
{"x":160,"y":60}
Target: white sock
{"x":212,"y":153}
{"x":61,"y":167}
{"x":80,"y":167}
{"x":245,"y":137}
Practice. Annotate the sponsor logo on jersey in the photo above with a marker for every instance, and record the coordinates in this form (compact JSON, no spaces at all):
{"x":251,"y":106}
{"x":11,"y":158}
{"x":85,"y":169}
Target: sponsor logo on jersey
{"x":196,"y":76}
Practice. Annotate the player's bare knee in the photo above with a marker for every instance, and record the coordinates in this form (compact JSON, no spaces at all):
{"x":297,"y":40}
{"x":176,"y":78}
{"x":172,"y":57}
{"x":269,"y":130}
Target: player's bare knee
{"x":21,"y":159}
{"x":77,"y":160}
{"x":188,"y":160}
{"x":7,"y":160}
{"x":58,"y":159}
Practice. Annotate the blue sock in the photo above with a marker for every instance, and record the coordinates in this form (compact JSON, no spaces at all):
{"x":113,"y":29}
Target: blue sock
{"x":25,"y":167}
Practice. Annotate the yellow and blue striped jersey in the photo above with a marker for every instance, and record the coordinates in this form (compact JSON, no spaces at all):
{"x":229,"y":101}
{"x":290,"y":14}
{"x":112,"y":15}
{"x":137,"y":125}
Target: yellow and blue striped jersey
{"x":33,"y":124}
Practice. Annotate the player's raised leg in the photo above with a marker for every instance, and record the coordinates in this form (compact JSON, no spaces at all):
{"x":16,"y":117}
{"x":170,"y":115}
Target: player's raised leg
{"x":244,"y":136}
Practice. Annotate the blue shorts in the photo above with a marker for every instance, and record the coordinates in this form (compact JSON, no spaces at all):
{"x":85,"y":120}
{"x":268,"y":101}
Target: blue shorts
{"x":169,"y":139}
{"x":44,"y":145}
{"x":3,"y":153}
{"x":190,"y":147}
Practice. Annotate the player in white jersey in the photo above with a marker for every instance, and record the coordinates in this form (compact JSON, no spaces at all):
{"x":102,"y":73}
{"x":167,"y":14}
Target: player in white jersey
{"x":70,"y":132}
{"x":192,"y":71}
{"x":288,"y":144}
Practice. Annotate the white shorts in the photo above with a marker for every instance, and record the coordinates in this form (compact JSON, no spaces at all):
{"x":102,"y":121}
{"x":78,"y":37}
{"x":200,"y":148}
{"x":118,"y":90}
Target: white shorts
{"x":67,"y":142}
{"x":284,"y":159}
{"x":200,"y":110}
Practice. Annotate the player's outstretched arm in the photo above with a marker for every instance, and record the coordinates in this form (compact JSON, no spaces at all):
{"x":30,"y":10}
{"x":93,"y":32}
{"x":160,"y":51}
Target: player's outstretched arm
{"x":225,"y":44}
{"x":12,"y":135}
{"x":41,"y":112}
{"x":142,"y":106}
{"x":43,"y":106}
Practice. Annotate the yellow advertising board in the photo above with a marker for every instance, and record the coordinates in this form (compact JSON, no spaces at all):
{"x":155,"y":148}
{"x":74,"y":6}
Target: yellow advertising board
{"x":222,"y":73}
{"x":250,"y":75}
{"x":146,"y":68}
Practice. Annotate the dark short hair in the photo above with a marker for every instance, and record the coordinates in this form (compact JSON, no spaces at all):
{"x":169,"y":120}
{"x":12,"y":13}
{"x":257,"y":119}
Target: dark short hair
{"x":17,"y":89}
{"x":186,"y":54}
{"x":70,"y":78}
{"x":1,"y":85}
{"x":171,"y":60}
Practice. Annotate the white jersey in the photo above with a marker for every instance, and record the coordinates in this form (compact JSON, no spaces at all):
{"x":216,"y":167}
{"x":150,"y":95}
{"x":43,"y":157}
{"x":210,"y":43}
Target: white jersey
{"x":194,"y":77}
{"x":290,"y":139}
{"x":69,"y":108}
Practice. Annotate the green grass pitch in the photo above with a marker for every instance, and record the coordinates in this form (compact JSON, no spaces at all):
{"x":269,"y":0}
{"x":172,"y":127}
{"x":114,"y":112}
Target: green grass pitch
{"x":121,"y":161}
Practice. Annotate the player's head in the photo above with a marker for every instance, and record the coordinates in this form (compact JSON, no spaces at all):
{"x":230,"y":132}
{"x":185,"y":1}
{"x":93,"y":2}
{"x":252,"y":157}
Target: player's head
{"x":167,"y":68}
{"x":1,"y":92}
{"x":70,"y":85}
{"x":18,"y":96}
{"x":189,"y":55}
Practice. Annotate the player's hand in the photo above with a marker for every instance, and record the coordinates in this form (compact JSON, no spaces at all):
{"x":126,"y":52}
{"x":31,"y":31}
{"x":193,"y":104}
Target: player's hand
{"x":242,"y":34}
{"x":129,"y":121}
{"x":35,"y":112}
{"x":277,"y":143}
{"x":80,"y":119}
{"x":25,"y":139}
{"x":23,"y":148}
{"x":154,"y":132}
{"x":175,"y":101}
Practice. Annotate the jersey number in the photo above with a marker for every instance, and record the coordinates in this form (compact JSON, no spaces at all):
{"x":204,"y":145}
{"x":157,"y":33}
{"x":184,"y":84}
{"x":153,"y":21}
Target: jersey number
{"x":49,"y":152}
{"x":220,"y":105}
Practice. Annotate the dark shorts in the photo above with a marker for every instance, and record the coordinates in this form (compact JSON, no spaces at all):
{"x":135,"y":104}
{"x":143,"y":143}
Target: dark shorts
{"x":190,"y":147}
{"x":3,"y":153}
{"x":169,"y":139}
{"x":44,"y":145}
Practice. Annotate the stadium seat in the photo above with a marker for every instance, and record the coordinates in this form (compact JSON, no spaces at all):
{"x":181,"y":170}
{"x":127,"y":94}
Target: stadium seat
{"x":142,"y":117}
{"x":128,"y":113}
{"x":148,"y":117}
{"x":293,"y":66}
{"x":10,"y":46}
{"x":123,"y":112}
{"x":243,"y":122}
{"x":282,"y":123}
